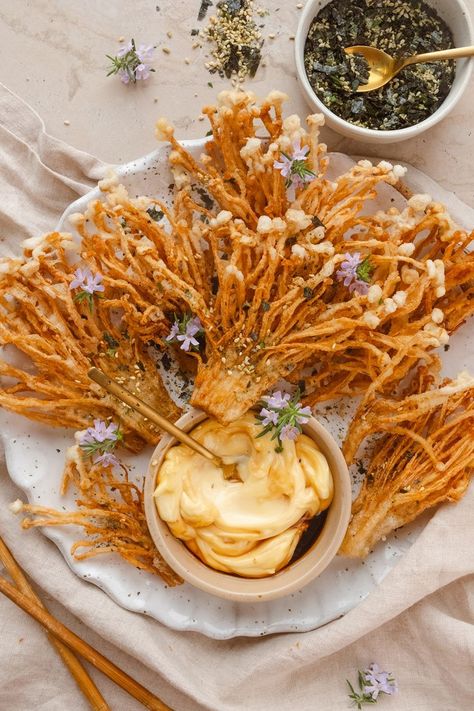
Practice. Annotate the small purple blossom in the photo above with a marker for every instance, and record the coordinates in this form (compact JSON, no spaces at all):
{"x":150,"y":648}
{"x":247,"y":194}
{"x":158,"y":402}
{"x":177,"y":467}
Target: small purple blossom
{"x":145,"y":53}
{"x":131,"y":63}
{"x":86,"y":281}
{"x":269,"y":417}
{"x":99,"y":433}
{"x":355,"y":272}
{"x":173,"y":332}
{"x":124,"y":76}
{"x":378,"y":681}
{"x":107,"y":460}
{"x":294,"y":167}
{"x":284,"y":165}
{"x":187,"y":341}
{"x":348,"y":270}
{"x":184,"y":331}
{"x":283,"y":414}
{"x":289,"y":432}
{"x":125,"y":49}
{"x":142,"y":72}
{"x":99,"y":441}
{"x":372,"y":682}
{"x":303,"y":415}
{"x":277,"y":400}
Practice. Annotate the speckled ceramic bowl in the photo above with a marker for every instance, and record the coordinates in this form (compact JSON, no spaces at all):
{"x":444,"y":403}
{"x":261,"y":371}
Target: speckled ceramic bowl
{"x":295,"y":575}
{"x":453,"y":12}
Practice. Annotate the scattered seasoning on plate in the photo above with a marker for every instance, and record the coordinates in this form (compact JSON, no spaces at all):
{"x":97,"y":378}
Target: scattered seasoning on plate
{"x":237,"y":39}
{"x":399,"y":27}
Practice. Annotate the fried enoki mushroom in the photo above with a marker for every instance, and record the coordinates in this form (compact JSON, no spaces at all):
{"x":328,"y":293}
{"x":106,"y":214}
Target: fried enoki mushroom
{"x":425,"y":457}
{"x":279,"y":306}
{"x":111,"y":513}
{"x":60,"y":338}
{"x":265,"y":274}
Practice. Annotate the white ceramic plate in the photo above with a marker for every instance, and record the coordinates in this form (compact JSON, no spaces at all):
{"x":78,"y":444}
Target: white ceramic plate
{"x":35,"y":455}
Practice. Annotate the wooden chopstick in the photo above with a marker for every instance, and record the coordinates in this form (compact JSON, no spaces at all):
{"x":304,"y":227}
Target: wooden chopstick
{"x":84,"y":681}
{"x":73,"y":641}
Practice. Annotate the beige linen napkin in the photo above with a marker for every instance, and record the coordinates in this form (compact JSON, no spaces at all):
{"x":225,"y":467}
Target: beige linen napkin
{"x":417,"y":623}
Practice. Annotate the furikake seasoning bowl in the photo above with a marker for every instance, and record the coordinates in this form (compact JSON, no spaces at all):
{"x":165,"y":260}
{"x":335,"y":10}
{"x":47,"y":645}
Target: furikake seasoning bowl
{"x":411,"y":103}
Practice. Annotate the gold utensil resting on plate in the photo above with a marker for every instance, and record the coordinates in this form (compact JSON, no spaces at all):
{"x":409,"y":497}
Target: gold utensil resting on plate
{"x":135,"y":403}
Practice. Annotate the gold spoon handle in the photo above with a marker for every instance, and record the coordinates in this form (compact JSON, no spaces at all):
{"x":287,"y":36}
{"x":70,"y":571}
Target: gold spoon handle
{"x":135,"y":403}
{"x":456,"y":53}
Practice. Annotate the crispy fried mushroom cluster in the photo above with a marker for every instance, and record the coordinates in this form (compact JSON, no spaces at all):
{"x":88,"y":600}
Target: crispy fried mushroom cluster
{"x":424,"y":457}
{"x":264,"y":264}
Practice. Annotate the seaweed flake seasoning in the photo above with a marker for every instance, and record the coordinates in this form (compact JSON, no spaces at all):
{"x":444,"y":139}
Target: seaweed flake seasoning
{"x":399,"y":27}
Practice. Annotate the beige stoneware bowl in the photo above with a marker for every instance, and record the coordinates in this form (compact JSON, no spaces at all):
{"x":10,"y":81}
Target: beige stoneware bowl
{"x":292,"y":577}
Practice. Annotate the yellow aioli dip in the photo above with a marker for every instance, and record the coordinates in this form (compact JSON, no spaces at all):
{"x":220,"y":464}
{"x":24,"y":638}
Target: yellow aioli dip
{"x":249,"y":524}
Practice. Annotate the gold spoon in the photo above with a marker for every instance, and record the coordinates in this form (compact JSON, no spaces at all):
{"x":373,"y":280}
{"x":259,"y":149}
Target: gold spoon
{"x":135,"y":403}
{"x":383,"y":67}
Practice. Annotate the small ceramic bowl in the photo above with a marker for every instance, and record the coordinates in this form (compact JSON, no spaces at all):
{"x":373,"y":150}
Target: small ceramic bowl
{"x":453,"y":12}
{"x":295,"y":575}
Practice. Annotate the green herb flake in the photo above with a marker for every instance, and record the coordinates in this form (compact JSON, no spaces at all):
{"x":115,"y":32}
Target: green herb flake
{"x":155,"y":214}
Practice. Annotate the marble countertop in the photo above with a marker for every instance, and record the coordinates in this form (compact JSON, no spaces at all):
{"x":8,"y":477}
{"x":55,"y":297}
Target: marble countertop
{"x":54,"y":57}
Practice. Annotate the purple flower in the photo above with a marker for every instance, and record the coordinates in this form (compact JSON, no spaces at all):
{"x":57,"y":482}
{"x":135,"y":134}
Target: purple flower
{"x":348,"y":270}
{"x":107,"y":459}
{"x":299,"y":153}
{"x":99,"y":441}
{"x":86,"y":281}
{"x":303,"y":415}
{"x":184,"y":331}
{"x":193,"y":326}
{"x":80,"y":276}
{"x":125,"y":49}
{"x":188,"y":341}
{"x":142,"y":71}
{"x":289,"y":432}
{"x":124,"y":76}
{"x":355,"y":272}
{"x":294,"y":168}
{"x":277,"y":400}
{"x":130,"y":63}
{"x":173,"y":332}
{"x":145,"y":53}
{"x":99,"y":433}
{"x":284,"y":165}
{"x":269,"y":417}
{"x":378,"y":681}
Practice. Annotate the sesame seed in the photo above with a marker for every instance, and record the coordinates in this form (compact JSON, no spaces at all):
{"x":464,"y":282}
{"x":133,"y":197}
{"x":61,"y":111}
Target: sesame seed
{"x":166,"y":50}
{"x":169,"y":34}
{"x":67,"y":123}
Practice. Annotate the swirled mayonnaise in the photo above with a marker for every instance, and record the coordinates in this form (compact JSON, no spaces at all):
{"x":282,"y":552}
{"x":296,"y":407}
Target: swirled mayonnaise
{"x":247,"y":520}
